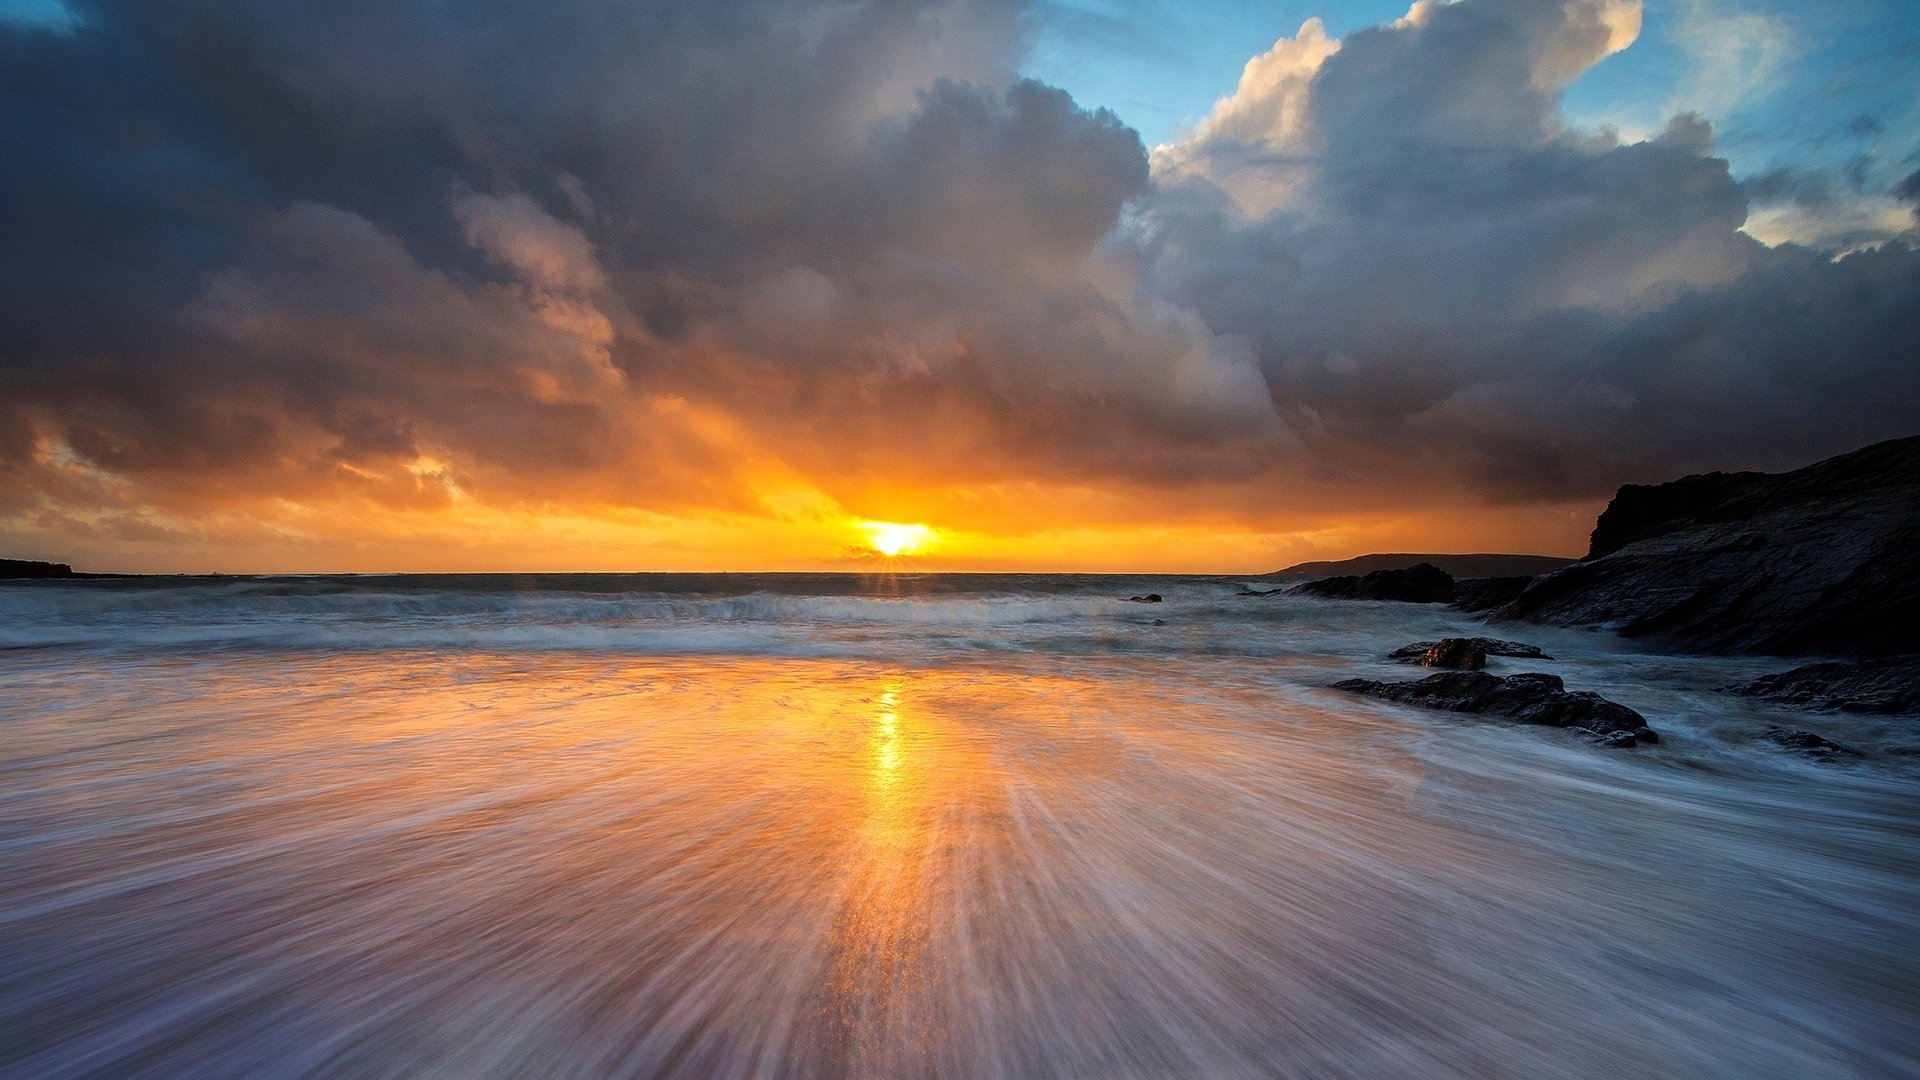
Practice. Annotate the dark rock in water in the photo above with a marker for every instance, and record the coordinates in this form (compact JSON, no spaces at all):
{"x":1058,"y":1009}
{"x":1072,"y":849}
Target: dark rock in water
{"x":1530,"y":698}
{"x":1821,"y":560}
{"x":1150,"y":598}
{"x":1617,"y":740}
{"x":1159,"y":622}
{"x":1487,"y":593}
{"x":1244,"y":591}
{"x":1807,"y":743}
{"x":1491,"y":646}
{"x":1455,"y":652}
{"x":1423,"y":584}
{"x":1887,"y":685}
{"x":1646,"y":735}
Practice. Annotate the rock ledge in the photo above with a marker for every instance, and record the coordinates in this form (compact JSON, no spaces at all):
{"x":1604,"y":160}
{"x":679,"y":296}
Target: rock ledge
{"x":1526,"y":698}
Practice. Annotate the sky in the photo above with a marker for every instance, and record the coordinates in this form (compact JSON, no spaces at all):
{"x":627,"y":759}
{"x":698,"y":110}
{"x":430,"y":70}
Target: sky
{"x":931,"y":284}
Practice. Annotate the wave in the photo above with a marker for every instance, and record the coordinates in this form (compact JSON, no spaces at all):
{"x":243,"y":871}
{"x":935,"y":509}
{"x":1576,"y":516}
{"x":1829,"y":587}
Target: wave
{"x":695,"y":613}
{"x":912,"y":620}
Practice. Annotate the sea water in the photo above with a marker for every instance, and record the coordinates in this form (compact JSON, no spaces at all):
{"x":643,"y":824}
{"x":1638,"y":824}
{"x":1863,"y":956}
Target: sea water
{"x":908,"y":826}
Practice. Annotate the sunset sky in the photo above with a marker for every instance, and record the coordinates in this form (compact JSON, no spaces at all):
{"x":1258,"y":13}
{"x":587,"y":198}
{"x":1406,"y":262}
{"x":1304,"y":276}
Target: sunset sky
{"x":780,"y":284}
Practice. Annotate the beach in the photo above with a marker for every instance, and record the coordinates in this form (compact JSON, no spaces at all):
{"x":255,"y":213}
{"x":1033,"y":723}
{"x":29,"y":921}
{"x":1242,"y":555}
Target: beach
{"x":907,"y":825}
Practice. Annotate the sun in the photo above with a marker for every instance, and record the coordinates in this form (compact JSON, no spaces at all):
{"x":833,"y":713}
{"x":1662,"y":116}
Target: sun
{"x":892,"y":539}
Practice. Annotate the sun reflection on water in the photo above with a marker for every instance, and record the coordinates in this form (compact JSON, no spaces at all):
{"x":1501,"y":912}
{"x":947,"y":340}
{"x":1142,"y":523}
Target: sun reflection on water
{"x":882,"y":934}
{"x":887,"y":738}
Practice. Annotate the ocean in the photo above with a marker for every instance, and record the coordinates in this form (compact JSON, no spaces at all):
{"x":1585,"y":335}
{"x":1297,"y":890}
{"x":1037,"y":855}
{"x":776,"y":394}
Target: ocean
{"x":900,"y":826}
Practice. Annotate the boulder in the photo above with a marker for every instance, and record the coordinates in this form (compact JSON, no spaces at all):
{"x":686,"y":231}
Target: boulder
{"x":1150,"y":598}
{"x":1422,"y":584}
{"x":1527,"y":698}
{"x":1886,"y":685}
{"x":1455,"y":652}
{"x":1817,"y":561}
{"x":1490,"y":646}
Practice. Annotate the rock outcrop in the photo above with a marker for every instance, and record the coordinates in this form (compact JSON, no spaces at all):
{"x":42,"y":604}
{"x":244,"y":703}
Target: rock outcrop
{"x":1528,"y":698}
{"x":1487,"y":645}
{"x":1487,"y":593}
{"x":1886,"y":685}
{"x":1422,"y":584}
{"x":1818,"y":561}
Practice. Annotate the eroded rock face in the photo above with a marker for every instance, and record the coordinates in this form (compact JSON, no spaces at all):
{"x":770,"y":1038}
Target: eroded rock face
{"x":1527,"y":698}
{"x":1422,"y":584}
{"x":1490,"y":646}
{"x":1820,"y":560}
{"x":1887,"y":685}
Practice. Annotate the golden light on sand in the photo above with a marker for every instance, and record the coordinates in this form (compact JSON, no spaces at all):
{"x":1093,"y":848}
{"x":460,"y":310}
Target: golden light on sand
{"x":892,"y":539}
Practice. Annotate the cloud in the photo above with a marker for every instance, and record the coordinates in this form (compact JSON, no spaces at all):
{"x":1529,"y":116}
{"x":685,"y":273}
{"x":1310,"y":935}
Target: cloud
{"x":515,"y":231}
{"x":1812,"y":208}
{"x":1734,"y":53}
{"x":356,"y":273}
{"x":1853,"y":223}
{"x":1462,"y":285}
{"x":1247,"y":142}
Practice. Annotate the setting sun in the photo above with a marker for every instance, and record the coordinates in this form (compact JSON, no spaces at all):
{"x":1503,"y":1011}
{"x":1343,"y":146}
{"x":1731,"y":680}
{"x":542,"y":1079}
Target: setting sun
{"x":892,"y":539}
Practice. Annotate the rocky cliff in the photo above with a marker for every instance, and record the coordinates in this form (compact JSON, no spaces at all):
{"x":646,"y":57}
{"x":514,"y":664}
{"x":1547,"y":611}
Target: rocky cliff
{"x":1822,"y":560}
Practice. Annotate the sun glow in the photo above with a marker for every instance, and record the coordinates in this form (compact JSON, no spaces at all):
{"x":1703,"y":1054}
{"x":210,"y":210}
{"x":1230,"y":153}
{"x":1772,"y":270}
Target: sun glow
{"x":891,"y":539}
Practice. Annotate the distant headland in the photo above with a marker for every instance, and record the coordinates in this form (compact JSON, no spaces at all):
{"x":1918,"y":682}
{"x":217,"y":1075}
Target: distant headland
{"x":28,"y":568}
{"x":31,"y":569}
{"x":1460,"y":566}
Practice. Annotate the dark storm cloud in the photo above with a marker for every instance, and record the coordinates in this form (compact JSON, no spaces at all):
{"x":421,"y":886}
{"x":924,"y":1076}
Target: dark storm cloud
{"x":1909,"y":188}
{"x":1789,"y":185}
{"x":631,"y":253}
{"x":262,"y":232}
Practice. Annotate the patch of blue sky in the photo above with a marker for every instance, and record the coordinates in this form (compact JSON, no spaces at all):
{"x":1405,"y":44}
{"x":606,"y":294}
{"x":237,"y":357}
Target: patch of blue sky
{"x":1843,"y":97}
{"x":1825,"y":89}
{"x":1161,"y":64}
